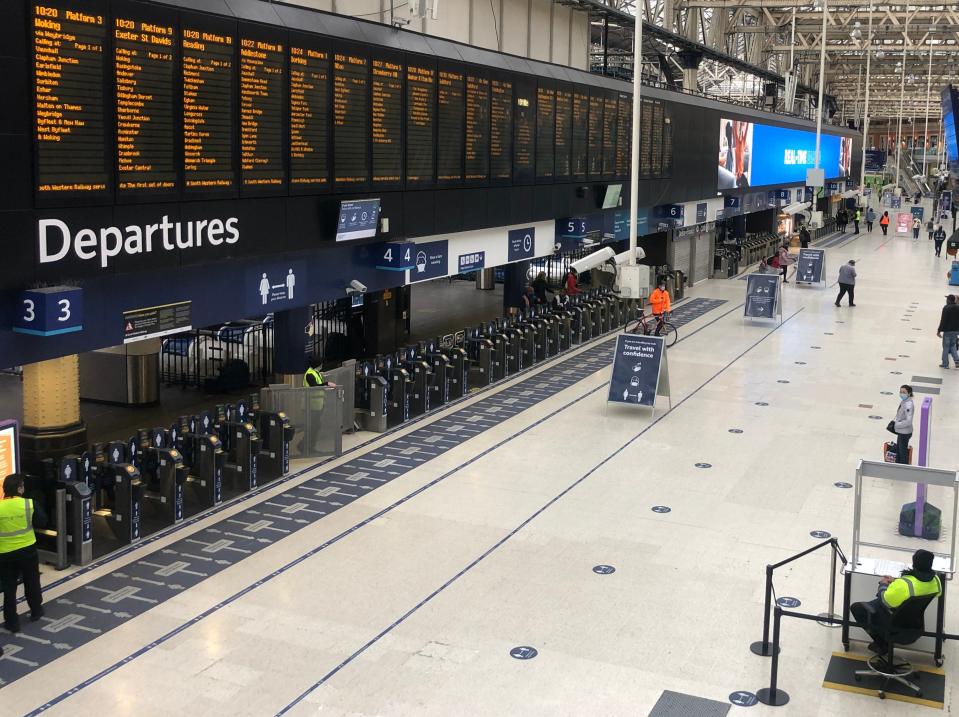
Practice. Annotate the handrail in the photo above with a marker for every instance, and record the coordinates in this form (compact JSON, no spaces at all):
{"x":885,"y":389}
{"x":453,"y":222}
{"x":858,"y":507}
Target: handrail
{"x":763,"y":647}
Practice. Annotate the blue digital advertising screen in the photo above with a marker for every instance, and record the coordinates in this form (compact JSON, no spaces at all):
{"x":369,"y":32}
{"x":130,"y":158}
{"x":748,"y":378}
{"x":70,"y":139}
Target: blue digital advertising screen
{"x":752,"y":154}
{"x":949,"y":123}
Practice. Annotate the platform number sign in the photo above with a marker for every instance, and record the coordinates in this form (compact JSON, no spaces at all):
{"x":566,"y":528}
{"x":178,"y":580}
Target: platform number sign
{"x":396,"y":256}
{"x":49,"y":311}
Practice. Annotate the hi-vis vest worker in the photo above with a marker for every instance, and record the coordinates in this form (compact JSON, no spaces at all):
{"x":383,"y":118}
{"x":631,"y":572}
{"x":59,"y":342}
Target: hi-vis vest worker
{"x":901,"y":589}
{"x":312,"y":377}
{"x":16,"y":524}
{"x":659,"y":301}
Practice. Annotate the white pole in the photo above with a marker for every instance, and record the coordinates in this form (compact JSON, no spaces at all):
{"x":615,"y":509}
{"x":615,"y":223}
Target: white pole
{"x":865,"y":109}
{"x":902,"y":94}
{"x":792,"y":44}
{"x":822,"y":81}
{"x":634,"y":158}
{"x":928,"y":91}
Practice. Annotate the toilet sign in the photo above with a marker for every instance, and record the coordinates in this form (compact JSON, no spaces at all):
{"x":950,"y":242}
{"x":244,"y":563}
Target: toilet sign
{"x":522,"y":244}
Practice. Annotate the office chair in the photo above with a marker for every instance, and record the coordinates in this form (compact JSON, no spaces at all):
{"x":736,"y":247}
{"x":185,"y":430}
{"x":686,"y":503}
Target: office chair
{"x":905,"y":627}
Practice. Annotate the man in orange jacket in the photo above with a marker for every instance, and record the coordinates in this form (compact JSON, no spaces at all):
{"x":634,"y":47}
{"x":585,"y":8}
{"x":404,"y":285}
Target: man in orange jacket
{"x":660,"y":304}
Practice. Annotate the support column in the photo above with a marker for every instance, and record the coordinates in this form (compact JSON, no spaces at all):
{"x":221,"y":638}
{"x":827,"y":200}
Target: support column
{"x":289,"y":344}
{"x":52,"y":426}
{"x":689,"y":60}
{"x":514,"y":282}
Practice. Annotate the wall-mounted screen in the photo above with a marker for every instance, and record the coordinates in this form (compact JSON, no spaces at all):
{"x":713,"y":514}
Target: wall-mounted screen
{"x":949,"y":125}
{"x":358,"y":219}
{"x":752,"y":154}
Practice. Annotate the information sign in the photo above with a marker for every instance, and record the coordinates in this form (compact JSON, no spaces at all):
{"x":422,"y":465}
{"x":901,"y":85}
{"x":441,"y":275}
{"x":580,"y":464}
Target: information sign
{"x":916,"y":211}
{"x":358,"y":219}
{"x":810,"y":266}
{"x":903,"y":221}
{"x":639,"y":370}
{"x":522,"y":244}
{"x":430,"y":261}
{"x":701,"y":210}
{"x":273,"y":287}
{"x":471,"y":262}
{"x":9,"y":451}
{"x":155,"y":321}
{"x":762,"y":296}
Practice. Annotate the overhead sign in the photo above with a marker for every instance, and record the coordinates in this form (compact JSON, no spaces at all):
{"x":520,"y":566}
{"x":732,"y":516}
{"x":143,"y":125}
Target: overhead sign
{"x":273,"y":287}
{"x":762,"y":296}
{"x":639,"y":370}
{"x":430,"y":261}
{"x":916,"y":211}
{"x":571,"y":228}
{"x":810,"y":266}
{"x":895,"y":202}
{"x":49,"y":311}
{"x":358,"y":219}
{"x":875,"y":160}
{"x":701,"y":209}
{"x":9,"y":451}
{"x":155,"y":321}
{"x":396,"y":256}
{"x":522,"y":244}
{"x":730,"y":202}
{"x":471,"y":262}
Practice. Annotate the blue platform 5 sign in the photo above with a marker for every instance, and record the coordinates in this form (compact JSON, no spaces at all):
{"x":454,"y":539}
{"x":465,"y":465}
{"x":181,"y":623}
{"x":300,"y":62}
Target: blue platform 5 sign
{"x":396,"y":256}
{"x":50,"y":311}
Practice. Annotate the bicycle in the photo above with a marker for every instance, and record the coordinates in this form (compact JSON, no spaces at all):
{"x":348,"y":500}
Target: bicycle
{"x":648,"y":324}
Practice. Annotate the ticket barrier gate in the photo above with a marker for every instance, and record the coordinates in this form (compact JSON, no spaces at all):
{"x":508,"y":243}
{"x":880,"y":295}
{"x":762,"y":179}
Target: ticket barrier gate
{"x":501,"y":349}
{"x":582,"y":323}
{"x":551,"y":345}
{"x":372,"y":398}
{"x":597,"y":312}
{"x":117,"y":499}
{"x":276,"y":434}
{"x":163,"y":475}
{"x":66,"y":498}
{"x":536,"y":330}
{"x":481,"y":352}
{"x":419,"y":372}
{"x":563,"y":326}
{"x":399,"y":388}
{"x":459,"y":372}
{"x":527,"y":341}
{"x":242,"y":447}
{"x":204,"y":454}
{"x":514,"y":346}
{"x":440,"y":374}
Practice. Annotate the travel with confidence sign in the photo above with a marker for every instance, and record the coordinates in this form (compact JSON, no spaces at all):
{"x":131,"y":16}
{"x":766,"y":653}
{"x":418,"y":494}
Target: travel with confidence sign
{"x":810,"y":266}
{"x":639,"y":370}
{"x":762,"y":296}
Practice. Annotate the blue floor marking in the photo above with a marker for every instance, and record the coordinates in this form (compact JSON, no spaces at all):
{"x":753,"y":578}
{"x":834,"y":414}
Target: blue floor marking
{"x":137,"y":590}
{"x":396,"y":623}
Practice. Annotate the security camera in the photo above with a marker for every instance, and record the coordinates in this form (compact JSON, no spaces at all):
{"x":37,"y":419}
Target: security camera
{"x":356,"y":287}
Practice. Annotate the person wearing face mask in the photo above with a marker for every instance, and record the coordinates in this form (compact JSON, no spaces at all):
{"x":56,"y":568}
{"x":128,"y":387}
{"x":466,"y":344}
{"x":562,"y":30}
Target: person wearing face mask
{"x":902,"y":425}
{"x":660,"y":304}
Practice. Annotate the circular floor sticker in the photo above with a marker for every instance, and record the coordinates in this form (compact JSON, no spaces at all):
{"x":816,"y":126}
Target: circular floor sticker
{"x":661,"y":509}
{"x":842,"y":484}
{"x":788,"y":602}
{"x":800,"y":363}
{"x":604,"y":569}
{"x":886,"y":393}
{"x":820,"y":534}
{"x":782,"y":380}
{"x":704,"y":465}
{"x":815,"y":347}
{"x":915,"y":329}
{"x":828,"y":333}
{"x":761,"y":403}
{"x":524,"y":652}
{"x":903,"y":355}
{"x":735,"y":430}
{"x":910,"y":341}
{"x":876,"y":418}
{"x":743,"y":699}
{"x":896,"y":373}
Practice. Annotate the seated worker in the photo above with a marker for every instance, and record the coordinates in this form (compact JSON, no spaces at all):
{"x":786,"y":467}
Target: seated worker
{"x":874,"y":615}
{"x":313,"y":377}
{"x":571,"y":287}
{"x":561,"y":300}
{"x":659,"y":302}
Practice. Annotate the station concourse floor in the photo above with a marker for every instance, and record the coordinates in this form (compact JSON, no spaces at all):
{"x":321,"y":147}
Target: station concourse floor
{"x":409,"y":599}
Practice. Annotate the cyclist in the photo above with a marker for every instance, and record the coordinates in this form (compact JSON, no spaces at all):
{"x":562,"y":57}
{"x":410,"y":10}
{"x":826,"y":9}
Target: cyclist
{"x":660,"y":304}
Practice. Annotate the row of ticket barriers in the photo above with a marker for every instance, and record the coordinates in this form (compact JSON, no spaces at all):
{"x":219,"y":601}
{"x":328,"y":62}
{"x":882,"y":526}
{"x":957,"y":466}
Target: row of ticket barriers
{"x":119,"y":492}
{"x":394,"y":388}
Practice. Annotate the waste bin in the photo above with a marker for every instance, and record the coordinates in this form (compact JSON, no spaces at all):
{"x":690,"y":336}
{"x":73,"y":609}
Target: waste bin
{"x":679,"y":281}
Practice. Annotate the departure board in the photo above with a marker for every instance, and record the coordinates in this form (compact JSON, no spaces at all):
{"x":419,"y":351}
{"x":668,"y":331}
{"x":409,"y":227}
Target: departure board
{"x":545,"y":131}
{"x":207,"y":109}
{"x":451,"y":101}
{"x":580,"y":155}
{"x":387,"y":99}
{"x":645,"y":139}
{"x":564,"y":132}
{"x":477,"y":128}
{"x":524,"y":128}
{"x":144,"y":68}
{"x":595,"y":135}
{"x":501,"y":130}
{"x":262,"y":105}
{"x":624,"y":124}
{"x":656,"y":141}
{"x":69,"y":127}
{"x":609,"y":136}
{"x":667,"y":145}
{"x":309,"y":113}
{"x":420,"y":121}
{"x":351,"y":126}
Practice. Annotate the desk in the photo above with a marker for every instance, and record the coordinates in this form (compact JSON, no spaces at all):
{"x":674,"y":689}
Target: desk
{"x":862,"y":582}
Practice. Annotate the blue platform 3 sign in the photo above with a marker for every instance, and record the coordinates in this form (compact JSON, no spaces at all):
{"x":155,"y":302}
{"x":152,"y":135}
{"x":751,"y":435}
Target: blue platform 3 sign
{"x":50,"y":311}
{"x":396,"y":256}
{"x":472,"y":261}
{"x":522,"y":244}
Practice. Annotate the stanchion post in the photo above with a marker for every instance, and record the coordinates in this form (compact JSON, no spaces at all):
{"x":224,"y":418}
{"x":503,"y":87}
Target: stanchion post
{"x":771,"y":695}
{"x":847,"y":587}
{"x":831,"y":613}
{"x":763,"y":648}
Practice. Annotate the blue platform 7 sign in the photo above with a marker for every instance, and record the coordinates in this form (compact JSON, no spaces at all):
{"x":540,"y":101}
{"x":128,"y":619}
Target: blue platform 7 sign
{"x":49,"y":311}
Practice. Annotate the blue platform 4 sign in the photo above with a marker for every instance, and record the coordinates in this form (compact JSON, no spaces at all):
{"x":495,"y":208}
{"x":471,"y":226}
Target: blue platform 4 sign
{"x":471,"y":262}
{"x":396,"y":256}
{"x":522,"y":244}
{"x":50,"y":311}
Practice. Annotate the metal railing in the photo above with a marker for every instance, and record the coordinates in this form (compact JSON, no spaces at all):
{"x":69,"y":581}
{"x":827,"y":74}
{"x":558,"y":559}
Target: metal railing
{"x":327,"y":334}
{"x":206,"y":358}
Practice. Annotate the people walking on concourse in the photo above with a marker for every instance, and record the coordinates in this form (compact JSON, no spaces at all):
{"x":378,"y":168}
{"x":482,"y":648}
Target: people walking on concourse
{"x":931,"y":229}
{"x":884,"y":223}
{"x":847,"y":282}
{"x":948,"y":331}
{"x":902,"y":425}
{"x":856,"y":218}
{"x":18,"y":551}
{"x":784,"y":261}
{"x":938,"y":237}
{"x":804,"y":237}
{"x":870,"y":218}
{"x":916,"y":228}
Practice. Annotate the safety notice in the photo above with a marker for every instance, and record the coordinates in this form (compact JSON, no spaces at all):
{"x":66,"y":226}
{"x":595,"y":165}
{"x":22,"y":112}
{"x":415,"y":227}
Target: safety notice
{"x":155,"y":321}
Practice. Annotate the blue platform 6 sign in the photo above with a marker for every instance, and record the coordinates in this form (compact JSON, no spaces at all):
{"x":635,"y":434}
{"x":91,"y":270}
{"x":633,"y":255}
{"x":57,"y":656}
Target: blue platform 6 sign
{"x":396,"y":256}
{"x":50,"y":311}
